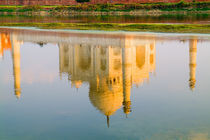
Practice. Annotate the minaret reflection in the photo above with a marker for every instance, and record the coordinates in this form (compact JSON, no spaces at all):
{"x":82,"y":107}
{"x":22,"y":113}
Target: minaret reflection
{"x":127,"y":71}
{"x":110,"y":70}
{"x":192,"y":65}
{"x":16,"y":65}
{"x":10,"y":43}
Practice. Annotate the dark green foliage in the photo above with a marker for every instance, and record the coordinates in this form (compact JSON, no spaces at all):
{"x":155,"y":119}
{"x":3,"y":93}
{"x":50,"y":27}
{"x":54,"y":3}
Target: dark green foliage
{"x":139,"y":6}
{"x":191,"y":6}
{"x":30,"y":8}
{"x":60,"y":8}
{"x":7,"y":10}
{"x":81,"y":1}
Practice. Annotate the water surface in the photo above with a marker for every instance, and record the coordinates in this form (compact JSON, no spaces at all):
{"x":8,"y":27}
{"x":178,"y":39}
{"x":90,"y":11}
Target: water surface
{"x":167,"y":19}
{"x":103,"y":85}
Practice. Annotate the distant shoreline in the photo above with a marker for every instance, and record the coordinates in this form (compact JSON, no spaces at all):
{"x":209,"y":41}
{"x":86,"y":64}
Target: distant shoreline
{"x":110,"y":9}
{"x":168,"y":28}
{"x":63,"y":32}
{"x":134,"y":13}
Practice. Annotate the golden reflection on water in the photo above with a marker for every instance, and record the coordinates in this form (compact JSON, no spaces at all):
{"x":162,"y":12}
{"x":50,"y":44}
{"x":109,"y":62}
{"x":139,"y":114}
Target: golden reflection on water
{"x":110,"y":66}
{"x":193,"y":55}
{"x":109,"y":70}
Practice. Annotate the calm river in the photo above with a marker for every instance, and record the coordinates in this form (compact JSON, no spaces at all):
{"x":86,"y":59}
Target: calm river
{"x":167,"y":19}
{"x":73,"y":85}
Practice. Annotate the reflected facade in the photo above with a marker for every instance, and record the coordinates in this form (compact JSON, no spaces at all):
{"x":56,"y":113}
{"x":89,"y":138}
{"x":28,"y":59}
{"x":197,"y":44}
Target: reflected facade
{"x":110,"y":71}
{"x":109,"y":65}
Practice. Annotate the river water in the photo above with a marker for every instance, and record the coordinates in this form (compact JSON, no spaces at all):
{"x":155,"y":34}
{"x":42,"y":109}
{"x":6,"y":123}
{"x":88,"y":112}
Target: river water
{"x":167,"y":19}
{"x":103,"y":85}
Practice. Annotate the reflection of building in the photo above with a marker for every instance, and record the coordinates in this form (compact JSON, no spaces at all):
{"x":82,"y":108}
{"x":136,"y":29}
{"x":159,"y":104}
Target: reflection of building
{"x":109,"y":70}
{"x":5,"y":43}
{"x":8,"y":43}
{"x":16,"y":65}
{"x":193,"y":54}
{"x":109,"y":64}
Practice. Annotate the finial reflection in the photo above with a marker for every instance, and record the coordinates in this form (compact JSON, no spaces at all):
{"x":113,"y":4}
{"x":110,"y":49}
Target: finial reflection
{"x":107,"y":119}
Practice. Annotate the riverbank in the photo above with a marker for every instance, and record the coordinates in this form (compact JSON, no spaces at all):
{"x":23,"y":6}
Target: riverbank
{"x":110,"y":9}
{"x":175,"y":28}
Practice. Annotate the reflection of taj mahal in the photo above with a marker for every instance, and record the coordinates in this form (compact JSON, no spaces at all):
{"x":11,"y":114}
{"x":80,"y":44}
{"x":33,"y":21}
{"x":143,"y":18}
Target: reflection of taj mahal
{"x":109,"y":65}
{"x":109,"y":70}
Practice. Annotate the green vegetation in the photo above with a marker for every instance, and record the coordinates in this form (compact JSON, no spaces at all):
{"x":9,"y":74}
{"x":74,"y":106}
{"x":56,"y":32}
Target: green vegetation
{"x":184,"y":28}
{"x":191,"y":6}
{"x":30,"y":8}
{"x":21,"y":8}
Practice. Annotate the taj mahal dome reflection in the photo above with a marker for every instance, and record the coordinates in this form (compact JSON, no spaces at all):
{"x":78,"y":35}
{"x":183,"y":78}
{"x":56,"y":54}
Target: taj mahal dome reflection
{"x":110,"y":71}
